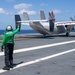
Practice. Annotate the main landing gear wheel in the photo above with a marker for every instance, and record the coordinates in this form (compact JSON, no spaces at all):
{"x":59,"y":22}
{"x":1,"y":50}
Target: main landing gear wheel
{"x":67,"y":34}
{"x":44,"y":35}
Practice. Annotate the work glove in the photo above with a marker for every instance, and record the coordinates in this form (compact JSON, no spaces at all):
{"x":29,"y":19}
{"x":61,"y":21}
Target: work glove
{"x":18,"y":26}
{"x":2,"y":48}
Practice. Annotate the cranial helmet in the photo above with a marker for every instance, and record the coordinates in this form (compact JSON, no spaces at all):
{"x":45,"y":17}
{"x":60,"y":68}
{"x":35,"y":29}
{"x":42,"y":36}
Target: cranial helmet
{"x":9,"y":28}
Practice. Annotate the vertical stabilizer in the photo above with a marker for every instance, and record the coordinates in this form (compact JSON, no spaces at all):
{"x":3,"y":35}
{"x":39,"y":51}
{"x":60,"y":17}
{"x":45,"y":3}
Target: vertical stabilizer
{"x":42,"y":15}
{"x":26,"y":16}
{"x":17,"y":19}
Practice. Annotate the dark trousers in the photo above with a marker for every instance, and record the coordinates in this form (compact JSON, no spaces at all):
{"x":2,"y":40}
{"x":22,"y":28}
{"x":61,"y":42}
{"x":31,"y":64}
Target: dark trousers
{"x":9,"y":54}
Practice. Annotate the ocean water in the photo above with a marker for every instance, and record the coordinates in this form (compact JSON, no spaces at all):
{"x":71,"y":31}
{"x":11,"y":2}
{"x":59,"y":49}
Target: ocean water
{"x":21,"y":32}
{"x":25,"y":31}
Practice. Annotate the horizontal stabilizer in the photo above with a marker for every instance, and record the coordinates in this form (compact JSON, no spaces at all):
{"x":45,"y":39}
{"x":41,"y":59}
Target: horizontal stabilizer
{"x":27,"y":20}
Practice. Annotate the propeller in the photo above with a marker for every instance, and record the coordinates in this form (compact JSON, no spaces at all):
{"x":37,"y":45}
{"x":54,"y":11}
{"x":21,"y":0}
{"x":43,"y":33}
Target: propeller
{"x":72,"y":18}
{"x":52,"y":16}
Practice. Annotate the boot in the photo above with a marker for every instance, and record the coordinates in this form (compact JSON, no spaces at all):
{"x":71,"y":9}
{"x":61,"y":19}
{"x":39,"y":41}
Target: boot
{"x":11,"y":64}
{"x":6,"y":68}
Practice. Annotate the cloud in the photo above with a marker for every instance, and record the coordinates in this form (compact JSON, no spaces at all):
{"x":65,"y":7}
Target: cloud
{"x":22,"y":6}
{"x":28,"y":11}
{"x":43,"y":4}
{"x":57,"y":11}
{"x":2,"y":11}
{"x":67,"y":11}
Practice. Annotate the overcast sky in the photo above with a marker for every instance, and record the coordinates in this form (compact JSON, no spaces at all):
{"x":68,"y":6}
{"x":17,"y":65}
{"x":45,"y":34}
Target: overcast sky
{"x":63,"y":10}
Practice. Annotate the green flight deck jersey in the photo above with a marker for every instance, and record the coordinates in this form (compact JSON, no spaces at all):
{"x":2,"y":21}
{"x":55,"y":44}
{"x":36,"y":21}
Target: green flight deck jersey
{"x":9,"y":37}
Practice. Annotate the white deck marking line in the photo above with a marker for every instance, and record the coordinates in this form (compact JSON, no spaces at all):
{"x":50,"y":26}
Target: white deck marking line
{"x":39,"y":60}
{"x":40,"y":47}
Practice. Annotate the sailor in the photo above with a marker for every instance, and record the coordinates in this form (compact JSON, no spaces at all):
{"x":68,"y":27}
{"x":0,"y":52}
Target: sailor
{"x":8,"y":46}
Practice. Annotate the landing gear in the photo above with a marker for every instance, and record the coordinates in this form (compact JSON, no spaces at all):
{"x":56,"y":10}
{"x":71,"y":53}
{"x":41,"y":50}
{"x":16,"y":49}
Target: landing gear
{"x":67,"y":30}
{"x":67,"y":34}
{"x":44,"y":35}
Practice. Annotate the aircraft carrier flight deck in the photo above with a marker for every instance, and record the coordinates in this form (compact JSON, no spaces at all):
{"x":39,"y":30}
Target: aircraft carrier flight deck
{"x":39,"y":55}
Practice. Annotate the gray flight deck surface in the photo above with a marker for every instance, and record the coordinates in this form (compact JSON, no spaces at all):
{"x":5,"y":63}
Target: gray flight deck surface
{"x":63,"y":64}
